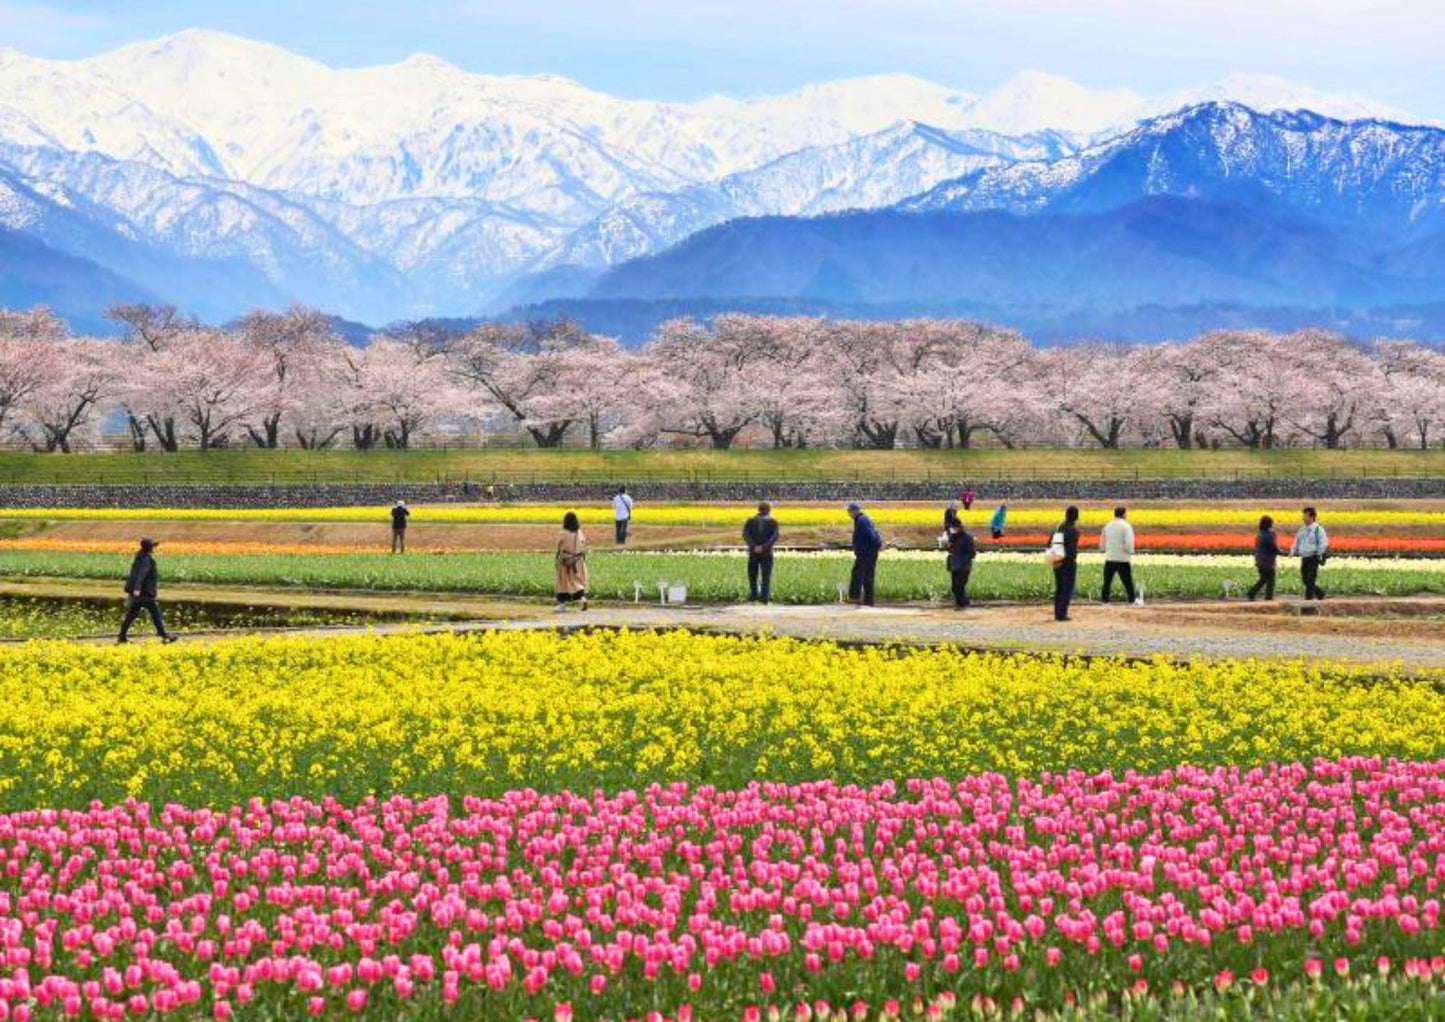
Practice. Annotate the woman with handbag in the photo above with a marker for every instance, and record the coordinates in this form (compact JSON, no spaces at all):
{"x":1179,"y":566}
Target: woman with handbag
{"x":571,"y":564}
{"x":1063,"y":555}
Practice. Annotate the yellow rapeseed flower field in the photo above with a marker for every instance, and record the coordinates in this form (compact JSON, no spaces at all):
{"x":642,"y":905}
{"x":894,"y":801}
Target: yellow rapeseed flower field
{"x":484,"y":713}
{"x":736,"y":514}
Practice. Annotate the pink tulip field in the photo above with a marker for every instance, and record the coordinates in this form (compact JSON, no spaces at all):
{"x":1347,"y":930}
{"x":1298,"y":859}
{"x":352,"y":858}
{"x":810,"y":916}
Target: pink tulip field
{"x":1223,"y":892}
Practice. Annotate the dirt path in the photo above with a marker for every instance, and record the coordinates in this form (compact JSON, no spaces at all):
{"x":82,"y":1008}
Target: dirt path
{"x":1408,"y":632}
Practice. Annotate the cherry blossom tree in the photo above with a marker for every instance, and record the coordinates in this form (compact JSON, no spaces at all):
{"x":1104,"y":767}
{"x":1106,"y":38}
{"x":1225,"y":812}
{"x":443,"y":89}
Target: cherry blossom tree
{"x":1336,"y":386}
{"x":1104,"y":388}
{"x":1257,"y":386}
{"x":871,"y":362}
{"x":398,"y":390}
{"x":210,"y":382}
{"x":299,"y":348}
{"x":710,"y":373}
{"x":29,"y":359}
{"x":522,"y":369}
{"x":148,"y":330}
{"x":960,"y":378}
{"x":1185,"y":376}
{"x":66,"y":406}
{"x":593,"y":383}
{"x":1412,"y":394}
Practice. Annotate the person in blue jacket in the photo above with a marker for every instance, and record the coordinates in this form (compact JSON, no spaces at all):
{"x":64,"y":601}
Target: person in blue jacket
{"x":866,"y":545}
{"x":998,"y":521}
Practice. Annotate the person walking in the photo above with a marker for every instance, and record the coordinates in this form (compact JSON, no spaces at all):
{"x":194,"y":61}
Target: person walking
{"x":142,"y":587}
{"x":399,"y":515}
{"x":968,"y":497}
{"x":1266,"y":559}
{"x":760,"y":534}
{"x":621,"y":515}
{"x":1312,"y":546}
{"x":867,"y":544}
{"x":571,"y":563}
{"x":998,"y":521}
{"x":961,"y":552}
{"x":1116,"y":539}
{"x":1065,"y":547}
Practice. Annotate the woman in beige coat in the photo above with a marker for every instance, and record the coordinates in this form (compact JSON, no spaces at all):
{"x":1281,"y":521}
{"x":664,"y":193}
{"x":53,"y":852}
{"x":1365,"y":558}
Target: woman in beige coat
{"x":571,"y":563}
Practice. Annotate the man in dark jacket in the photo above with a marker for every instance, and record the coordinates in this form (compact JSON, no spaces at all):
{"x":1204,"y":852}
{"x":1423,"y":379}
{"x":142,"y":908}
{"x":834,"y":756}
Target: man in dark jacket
{"x":760,"y":534}
{"x":1066,"y":571}
{"x":866,"y":545}
{"x":961,"y":551}
{"x":141,"y":587}
{"x":1266,"y":559}
{"x":399,"y":515}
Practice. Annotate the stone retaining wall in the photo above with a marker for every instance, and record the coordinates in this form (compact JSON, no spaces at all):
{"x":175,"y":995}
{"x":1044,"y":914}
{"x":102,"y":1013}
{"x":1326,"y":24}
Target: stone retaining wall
{"x":1202,"y":491}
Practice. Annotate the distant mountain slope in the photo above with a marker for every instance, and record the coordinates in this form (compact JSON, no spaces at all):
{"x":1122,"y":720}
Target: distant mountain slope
{"x":1160,"y":249}
{"x":32,"y":273}
{"x":863,"y":173}
{"x":68,"y":222}
{"x":1373,"y":177}
{"x":634,"y":320}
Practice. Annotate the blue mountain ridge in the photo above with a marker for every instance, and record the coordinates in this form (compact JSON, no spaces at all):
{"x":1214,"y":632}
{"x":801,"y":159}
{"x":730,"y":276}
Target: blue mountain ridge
{"x":1212,"y":205}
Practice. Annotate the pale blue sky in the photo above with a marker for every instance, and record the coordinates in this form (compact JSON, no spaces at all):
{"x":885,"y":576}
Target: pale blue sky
{"x":1390,"y":50}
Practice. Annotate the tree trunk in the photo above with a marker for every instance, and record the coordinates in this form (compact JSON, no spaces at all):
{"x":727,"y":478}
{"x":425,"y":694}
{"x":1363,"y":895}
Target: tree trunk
{"x":1182,"y":426}
{"x":722,"y":439}
{"x":879,"y":436}
{"x":165,"y":432}
{"x":1105,"y":438}
{"x":928,"y":438}
{"x":551,"y":435}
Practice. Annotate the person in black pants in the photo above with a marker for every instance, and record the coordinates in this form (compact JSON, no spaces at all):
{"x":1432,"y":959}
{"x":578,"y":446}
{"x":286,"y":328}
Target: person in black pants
{"x":1266,"y":559}
{"x":1311,"y":546}
{"x":866,"y":545}
{"x":1066,"y":571}
{"x":760,"y":534}
{"x":141,"y":587}
{"x":399,"y":515}
{"x":961,"y":552}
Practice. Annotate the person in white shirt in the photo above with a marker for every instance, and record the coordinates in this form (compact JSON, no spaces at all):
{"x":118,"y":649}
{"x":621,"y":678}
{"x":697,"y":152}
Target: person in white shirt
{"x":621,"y":514}
{"x":1117,"y":542}
{"x":1312,"y":546}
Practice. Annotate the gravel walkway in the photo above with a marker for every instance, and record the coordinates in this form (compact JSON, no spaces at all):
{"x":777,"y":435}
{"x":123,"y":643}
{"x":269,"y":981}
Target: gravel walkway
{"x":1377,"y":634}
{"x":1093,"y":631}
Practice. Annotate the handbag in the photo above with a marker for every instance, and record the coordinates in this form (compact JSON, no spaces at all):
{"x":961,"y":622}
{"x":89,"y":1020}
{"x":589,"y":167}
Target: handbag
{"x":1055,"y":552}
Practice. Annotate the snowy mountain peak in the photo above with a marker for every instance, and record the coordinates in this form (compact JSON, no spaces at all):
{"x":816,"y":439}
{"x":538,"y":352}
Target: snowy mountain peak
{"x":1268,"y":93}
{"x":194,"y":48}
{"x":1033,"y":101}
{"x":428,"y":63}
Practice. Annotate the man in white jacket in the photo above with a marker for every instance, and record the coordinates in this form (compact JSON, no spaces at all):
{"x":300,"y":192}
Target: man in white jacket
{"x":1117,"y":542}
{"x":621,"y":515}
{"x":1311,"y":546}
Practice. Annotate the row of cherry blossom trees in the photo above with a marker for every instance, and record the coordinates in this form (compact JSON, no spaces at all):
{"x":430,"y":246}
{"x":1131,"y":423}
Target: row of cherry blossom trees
{"x":286,"y":379}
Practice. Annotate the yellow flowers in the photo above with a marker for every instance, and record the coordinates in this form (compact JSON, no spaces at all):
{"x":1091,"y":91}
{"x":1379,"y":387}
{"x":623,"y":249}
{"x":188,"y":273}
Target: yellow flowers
{"x":736,"y":514}
{"x":481,"y":714}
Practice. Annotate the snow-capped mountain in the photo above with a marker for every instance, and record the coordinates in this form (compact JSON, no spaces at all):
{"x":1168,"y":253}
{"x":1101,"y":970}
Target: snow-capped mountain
{"x":421,"y":188}
{"x":870,"y":172}
{"x":1034,"y":101}
{"x":1269,"y":94}
{"x":1372,"y":177}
